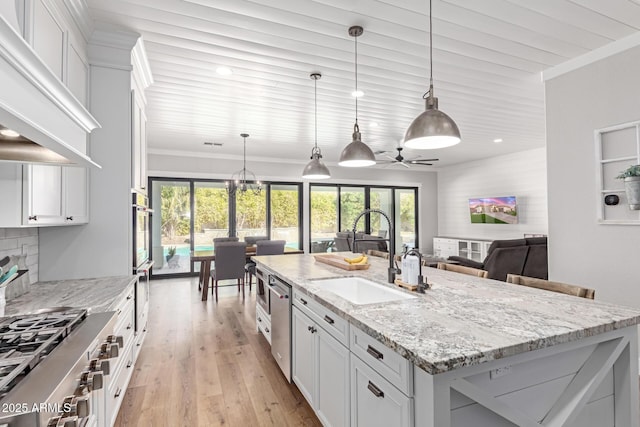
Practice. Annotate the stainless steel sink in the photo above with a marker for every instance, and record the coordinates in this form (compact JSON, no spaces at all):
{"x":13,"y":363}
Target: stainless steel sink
{"x":357,"y":290}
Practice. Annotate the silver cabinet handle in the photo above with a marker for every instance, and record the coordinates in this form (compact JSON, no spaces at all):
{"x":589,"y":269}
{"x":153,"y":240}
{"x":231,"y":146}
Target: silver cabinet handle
{"x":375,"y":390}
{"x":375,"y":353}
{"x":278,"y":294}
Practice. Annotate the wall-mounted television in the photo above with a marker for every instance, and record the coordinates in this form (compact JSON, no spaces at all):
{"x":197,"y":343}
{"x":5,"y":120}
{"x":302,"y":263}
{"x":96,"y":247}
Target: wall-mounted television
{"x":493,"y":210}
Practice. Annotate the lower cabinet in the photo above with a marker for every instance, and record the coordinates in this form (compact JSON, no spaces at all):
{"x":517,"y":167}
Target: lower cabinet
{"x":375,"y":401}
{"x":321,"y":370}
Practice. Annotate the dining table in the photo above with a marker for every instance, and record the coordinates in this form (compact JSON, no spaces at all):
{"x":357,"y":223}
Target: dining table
{"x":206,"y":257}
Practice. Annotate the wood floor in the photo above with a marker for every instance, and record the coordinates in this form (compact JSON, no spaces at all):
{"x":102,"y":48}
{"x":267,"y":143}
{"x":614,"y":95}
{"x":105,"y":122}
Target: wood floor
{"x":204,"y":364}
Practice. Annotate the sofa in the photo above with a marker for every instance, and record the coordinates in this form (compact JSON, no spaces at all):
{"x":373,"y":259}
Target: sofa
{"x":524,"y":257}
{"x":344,"y":242}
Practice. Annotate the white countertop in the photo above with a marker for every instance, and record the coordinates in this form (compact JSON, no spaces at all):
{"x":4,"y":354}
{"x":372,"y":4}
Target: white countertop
{"x":97,"y":295}
{"x":463,"y":320}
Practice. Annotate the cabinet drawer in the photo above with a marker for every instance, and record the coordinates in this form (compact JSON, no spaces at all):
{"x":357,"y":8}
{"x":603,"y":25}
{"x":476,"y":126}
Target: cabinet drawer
{"x":374,"y":401}
{"x":263,"y":322}
{"x":395,"y":368}
{"x":118,"y":381}
{"x":327,"y":319}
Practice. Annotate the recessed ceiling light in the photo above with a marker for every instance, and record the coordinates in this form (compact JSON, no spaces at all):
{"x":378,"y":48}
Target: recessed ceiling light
{"x":10,"y":133}
{"x":373,"y":124}
{"x":357,"y":94}
{"x":497,"y":140}
{"x":224,"y":71}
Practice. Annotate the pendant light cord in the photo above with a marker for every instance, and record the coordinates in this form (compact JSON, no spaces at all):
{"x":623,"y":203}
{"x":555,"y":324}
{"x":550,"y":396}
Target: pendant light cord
{"x":356,"y":70}
{"x":244,"y":160}
{"x":430,"y":48}
{"x":315,"y":114}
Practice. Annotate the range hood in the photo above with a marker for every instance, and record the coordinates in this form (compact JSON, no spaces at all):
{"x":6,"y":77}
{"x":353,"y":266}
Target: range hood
{"x":53,"y":125}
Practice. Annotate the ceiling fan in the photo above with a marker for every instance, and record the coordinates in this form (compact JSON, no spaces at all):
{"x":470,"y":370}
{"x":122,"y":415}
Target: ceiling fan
{"x":404,"y":162}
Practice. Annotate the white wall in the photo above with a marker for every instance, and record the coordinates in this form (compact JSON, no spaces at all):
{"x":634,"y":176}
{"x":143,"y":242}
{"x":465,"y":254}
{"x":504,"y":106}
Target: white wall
{"x":603,"y":257}
{"x":520,"y":174}
{"x":174,"y":165}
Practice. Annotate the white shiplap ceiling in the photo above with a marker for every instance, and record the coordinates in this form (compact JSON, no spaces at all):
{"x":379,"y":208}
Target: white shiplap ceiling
{"x":488,"y":56}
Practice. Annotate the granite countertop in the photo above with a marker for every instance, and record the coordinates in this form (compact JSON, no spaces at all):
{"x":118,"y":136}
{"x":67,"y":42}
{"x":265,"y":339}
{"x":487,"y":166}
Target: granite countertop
{"x":97,"y":295}
{"x":462,"y":320}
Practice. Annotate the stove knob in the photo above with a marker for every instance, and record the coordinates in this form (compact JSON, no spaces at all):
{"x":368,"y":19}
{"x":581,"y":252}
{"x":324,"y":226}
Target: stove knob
{"x":63,"y":422}
{"x":93,"y":380}
{"x":99,"y":365}
{"x":116,"y":339}
{"x":108,"y":350}
{"x":82,"y":407}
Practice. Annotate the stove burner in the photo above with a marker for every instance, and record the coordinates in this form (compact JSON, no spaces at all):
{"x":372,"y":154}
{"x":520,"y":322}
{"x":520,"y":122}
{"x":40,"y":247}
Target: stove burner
{"x":26,"y":340}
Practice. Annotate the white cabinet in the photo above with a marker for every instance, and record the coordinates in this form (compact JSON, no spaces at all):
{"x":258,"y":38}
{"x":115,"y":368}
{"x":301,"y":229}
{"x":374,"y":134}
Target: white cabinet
{"x":54,"y":195}
{"x":444,"y":248}
{"x":374,"y":401}
{"x":47,"y":35}
{"x":321,"y":370}
{"x":473,"y":249}
{"x":139,"y":143}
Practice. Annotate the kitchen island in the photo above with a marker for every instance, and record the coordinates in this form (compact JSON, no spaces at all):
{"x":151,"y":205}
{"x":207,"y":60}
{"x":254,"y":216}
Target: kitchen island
{"x":481,"y":352}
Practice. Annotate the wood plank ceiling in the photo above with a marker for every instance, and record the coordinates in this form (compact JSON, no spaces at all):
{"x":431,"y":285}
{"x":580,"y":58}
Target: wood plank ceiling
{"x":488,"y":56}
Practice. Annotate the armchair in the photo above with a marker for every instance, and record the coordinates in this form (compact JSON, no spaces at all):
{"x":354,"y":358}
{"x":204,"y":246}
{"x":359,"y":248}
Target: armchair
{"x":526,"y":257}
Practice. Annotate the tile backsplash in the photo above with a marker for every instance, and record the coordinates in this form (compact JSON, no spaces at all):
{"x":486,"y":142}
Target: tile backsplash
{"x":21,"y":241}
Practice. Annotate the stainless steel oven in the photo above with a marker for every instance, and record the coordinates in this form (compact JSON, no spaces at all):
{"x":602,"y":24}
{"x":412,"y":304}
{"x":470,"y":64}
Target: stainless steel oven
{"x":141,"y":236}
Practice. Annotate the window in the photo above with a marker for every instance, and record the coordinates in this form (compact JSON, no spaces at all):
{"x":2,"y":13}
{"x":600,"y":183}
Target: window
{"x":323,"y":203}
{"x":334,"y":208}
{"x":190,"y":213}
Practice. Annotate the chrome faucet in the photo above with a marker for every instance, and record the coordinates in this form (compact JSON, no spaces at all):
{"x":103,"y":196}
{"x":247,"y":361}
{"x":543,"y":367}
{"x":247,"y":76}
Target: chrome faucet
{"x":393,"y":270}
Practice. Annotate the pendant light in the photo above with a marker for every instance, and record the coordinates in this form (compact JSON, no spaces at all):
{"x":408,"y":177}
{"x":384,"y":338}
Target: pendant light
{"x":316,"y":169}
{"x":432,"y":128}
{"x":244,"y":180}
{"x":357,"y":153}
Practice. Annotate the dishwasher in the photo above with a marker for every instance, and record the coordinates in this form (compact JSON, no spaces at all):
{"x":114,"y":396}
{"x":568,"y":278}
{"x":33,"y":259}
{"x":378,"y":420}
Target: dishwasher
{"x":280,"y":295}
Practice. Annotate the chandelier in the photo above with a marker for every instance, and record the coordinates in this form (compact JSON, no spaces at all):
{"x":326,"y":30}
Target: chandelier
{"x":243,"y":180}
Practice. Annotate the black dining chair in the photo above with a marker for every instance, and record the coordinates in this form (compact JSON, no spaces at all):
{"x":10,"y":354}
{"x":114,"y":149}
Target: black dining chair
{"x":228,"y":264}
{"x":264,"y":247}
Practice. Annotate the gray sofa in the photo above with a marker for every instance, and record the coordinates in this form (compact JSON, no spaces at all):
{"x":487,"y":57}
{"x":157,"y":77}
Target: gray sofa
{"x":524,"y":257}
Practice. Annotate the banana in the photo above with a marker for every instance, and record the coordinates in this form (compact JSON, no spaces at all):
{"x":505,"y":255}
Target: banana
{"x":364,"y":260}
{"x":354,"y":260}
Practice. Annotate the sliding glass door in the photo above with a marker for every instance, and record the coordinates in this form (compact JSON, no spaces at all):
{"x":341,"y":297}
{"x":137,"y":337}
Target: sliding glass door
{"x":323,"y":202}
{"x":190,"y":213}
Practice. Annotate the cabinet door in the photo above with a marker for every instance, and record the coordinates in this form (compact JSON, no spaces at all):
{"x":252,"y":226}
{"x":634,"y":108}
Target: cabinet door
{"x":76,"y":206}
{"x":374,"y":401}
{"x":332,"y":403}
{"x":42,"y":195}
{"x":138,"y":143}
{"x":304,"y":354}
{"x":48,"y":36}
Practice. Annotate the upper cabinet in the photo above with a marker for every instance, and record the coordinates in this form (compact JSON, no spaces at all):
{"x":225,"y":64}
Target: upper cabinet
{"x":138,"y":142}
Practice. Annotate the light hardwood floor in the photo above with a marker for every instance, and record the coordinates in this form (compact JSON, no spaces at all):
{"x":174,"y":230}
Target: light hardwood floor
{"x":204,"y":364}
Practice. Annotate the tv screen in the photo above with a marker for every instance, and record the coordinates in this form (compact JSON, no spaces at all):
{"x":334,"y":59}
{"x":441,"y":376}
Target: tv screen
{"x":493,"y":210}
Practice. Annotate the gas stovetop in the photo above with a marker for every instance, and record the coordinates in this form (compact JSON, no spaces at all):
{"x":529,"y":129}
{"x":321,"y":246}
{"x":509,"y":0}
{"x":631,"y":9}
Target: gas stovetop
{"x":26,"y":340}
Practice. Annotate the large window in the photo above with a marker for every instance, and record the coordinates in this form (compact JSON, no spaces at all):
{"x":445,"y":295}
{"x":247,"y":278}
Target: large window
{"x":189,"y":214}
{"x":334,"y":208}
{"x":323,"y":216}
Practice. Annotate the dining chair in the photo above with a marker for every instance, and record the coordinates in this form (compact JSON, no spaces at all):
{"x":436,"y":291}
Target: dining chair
{"x":264,"y":247}
{"x":564,"y":288}
{"x":228,"y":264}
{"x":252,"y":240}
{"x":464,"y":270}
{"x":224,"y":239}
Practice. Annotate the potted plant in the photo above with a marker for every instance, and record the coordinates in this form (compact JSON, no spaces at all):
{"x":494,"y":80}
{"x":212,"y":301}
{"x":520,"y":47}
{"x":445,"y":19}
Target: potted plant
{"x":171,"y":252}
{"x":631,"y":177}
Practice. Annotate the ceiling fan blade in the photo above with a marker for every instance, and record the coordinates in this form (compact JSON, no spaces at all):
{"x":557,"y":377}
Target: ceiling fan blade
{"x":405,"y":165}
{"x":416,"y":162}
{"x":389,"y":157}
{"x":420,"y":159}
